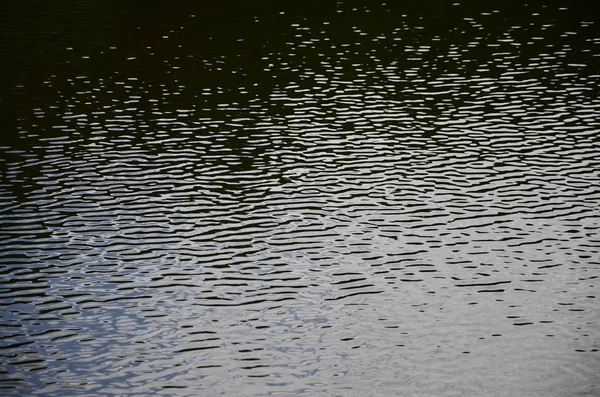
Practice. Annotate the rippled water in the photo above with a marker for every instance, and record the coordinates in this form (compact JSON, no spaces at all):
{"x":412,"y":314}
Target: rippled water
{"x":277,"y":199}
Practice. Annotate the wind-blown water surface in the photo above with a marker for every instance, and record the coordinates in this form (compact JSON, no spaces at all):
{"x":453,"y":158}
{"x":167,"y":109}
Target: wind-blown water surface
{"x":277,"y":199}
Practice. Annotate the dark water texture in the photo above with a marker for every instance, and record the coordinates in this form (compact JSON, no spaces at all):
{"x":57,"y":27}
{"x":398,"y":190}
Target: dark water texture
{"x":273,"y":198}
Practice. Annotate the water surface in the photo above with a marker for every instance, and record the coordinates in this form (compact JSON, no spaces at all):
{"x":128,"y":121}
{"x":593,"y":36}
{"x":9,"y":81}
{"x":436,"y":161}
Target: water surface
{"x":255,"y":199}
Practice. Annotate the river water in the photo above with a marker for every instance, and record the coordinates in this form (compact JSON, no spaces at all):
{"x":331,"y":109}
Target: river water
{"x":276,"y":199}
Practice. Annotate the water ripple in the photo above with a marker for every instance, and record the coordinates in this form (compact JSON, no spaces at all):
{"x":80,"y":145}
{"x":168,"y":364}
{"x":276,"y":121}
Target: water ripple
{"x":376,"y":196}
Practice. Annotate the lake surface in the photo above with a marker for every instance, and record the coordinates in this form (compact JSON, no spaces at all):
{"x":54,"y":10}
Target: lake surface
{"x":276,"y":199}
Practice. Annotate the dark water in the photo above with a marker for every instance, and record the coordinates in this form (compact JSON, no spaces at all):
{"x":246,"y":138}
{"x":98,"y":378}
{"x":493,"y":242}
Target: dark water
{"x":271,"y":198}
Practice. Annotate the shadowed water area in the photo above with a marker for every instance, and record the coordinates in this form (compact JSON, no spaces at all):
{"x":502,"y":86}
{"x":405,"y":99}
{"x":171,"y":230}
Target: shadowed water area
{"x":273,"y":198}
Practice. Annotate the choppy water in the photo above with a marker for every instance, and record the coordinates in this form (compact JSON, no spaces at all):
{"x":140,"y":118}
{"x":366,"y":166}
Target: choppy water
{"x":274,"y":199}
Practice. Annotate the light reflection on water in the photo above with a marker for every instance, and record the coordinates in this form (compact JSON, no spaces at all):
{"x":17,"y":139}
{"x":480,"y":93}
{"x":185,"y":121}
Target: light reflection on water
{"x":275,"y":201}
